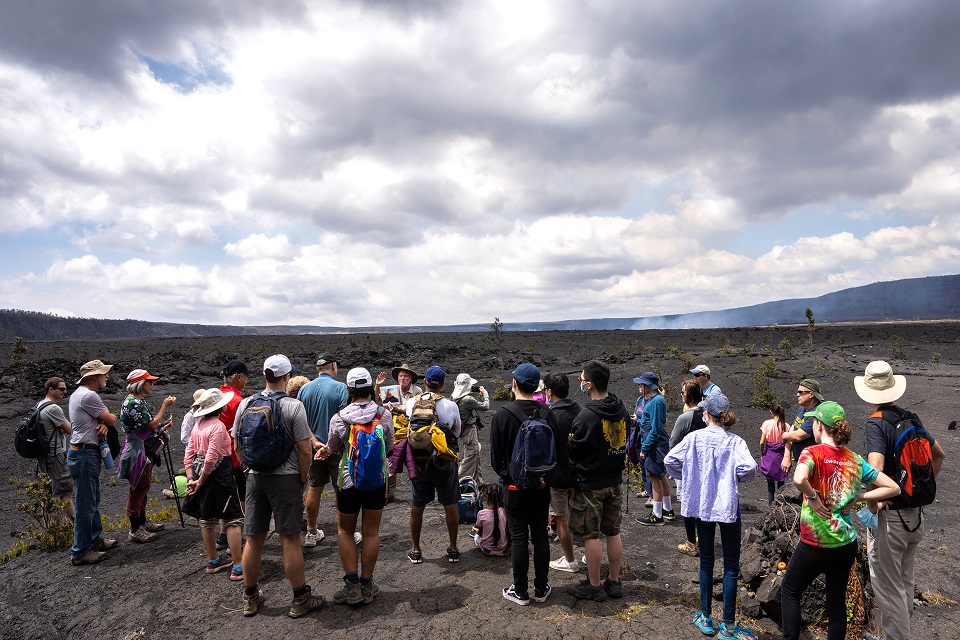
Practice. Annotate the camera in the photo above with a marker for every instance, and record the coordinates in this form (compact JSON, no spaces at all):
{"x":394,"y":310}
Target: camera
{"x":475,"y":388}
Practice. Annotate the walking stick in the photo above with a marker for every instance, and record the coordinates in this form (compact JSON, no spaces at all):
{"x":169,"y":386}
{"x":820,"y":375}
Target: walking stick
{"x":168,"y":458}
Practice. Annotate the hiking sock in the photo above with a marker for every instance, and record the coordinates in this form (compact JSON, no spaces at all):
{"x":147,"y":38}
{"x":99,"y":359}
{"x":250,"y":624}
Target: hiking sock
{"x":143,"y":517}
{"x":366,"y":581}
{"x":658,"y":509}
{"x":251,"y":591}
{"x":351,"y":577}
{"x":134,"y":524}
{"x":301,"y":591}
{"x":667,"y":503}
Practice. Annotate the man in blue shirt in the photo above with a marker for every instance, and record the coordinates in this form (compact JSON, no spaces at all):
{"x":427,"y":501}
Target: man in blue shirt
{"x":701,"y":373}
{"x":322,"y":398}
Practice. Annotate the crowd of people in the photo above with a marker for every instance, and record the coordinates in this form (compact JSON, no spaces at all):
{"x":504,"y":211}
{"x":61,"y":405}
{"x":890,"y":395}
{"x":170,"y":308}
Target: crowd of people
{"x":358,"y":434}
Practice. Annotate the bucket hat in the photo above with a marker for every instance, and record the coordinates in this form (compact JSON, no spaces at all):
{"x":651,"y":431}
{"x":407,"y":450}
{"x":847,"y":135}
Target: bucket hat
{"x":879,"y":385}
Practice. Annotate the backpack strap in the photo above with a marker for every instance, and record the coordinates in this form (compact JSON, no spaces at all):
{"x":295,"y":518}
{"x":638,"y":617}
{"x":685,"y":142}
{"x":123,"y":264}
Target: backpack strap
{"x":518,"y":412}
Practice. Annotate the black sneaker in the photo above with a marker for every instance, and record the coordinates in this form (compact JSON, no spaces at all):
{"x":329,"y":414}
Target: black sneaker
{"x":542,"y":595}
{"x":583,"y":590}
{"x":651,"y":521}
{"x":416,"y":557}
{"x":613,"y":588}
{"x":522,"y":599}
{"x":669,"y":515}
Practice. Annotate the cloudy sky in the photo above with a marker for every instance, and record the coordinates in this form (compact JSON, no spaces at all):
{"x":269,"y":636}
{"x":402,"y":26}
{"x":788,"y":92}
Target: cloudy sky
{"x":438,"y":162}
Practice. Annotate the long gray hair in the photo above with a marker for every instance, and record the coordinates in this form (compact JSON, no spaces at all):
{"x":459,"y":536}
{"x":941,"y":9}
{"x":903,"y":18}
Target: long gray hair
{"x":136,"y":388}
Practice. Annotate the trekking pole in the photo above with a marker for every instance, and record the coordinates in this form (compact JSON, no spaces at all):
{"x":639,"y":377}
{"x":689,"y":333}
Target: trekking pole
{"x":168,"y":457}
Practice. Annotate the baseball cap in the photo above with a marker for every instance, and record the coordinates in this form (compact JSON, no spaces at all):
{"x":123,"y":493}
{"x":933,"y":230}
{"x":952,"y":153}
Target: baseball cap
{"x":139,"y":374}
{"x":701,"y":368}
{"x":326,"y":358}
{"x":234,"y":367}
{"x":827,"y":412}
{"x":359,"y":377}
{"x":715,"y":404}
{"x":814,"y":386}
{"x":279,"y":365}
{"x":527,"y":375}
{"x":435,"y":376}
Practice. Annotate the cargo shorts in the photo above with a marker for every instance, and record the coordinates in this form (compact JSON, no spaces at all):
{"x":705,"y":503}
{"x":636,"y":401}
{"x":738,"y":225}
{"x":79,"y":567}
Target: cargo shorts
{"x":596,"y":511}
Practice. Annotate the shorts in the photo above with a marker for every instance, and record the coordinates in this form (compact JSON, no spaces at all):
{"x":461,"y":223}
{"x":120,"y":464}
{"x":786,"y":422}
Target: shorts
{"x":444,"y":479}
{"x":55,"y":466}
{"x":653,"y":465}
{"x":240,"y":478}
{"x":350,"y":501}
{"x":595,"y":512}
{"x":278,"y":495}
{"x":324,"y":472}
{"x":560,"y":501}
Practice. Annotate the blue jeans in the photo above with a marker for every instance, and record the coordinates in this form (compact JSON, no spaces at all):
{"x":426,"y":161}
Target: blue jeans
{"x":730,"y":541}
{"x":84,"y":466}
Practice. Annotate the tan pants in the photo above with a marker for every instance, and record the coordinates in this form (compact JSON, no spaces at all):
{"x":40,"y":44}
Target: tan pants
{"x":892,"y":551}
{"x":470,"y":456}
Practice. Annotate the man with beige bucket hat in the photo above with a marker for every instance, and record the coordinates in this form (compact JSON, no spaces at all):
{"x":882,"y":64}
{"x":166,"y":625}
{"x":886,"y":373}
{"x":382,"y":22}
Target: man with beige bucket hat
{"x":892,"y":546}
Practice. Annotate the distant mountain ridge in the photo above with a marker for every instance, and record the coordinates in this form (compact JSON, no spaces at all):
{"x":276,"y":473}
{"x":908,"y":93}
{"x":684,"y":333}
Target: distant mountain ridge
{"x":931,"y":298}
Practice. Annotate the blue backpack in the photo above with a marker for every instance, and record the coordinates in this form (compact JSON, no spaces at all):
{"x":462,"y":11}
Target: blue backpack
{"x":533,"y":464}
{"x":265,"y":441}
{"x":365,"y":457}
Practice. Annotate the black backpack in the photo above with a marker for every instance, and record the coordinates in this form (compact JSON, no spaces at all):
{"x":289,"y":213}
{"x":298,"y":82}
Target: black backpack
{"x":264,"y":440}
{"x":29,"y":440}
{"x":912,"y":464}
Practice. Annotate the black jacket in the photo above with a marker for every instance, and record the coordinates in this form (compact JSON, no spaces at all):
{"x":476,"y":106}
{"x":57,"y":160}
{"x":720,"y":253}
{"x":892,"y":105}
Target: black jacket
{"x":565,"y":411}
{"x":503,"y":432}
{"x":598,"y":444}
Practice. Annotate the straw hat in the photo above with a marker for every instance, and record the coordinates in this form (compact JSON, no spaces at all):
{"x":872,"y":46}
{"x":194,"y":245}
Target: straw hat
{"x":879,"y":385}
{"x":404,"y":367}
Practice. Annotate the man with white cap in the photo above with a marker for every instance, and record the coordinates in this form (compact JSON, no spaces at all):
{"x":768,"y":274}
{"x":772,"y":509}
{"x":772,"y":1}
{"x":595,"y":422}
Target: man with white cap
{"x":89,"y":419}
{"x":470,"y":403}
{"x":278,"y":493}
{"x":701,"y":373}
{"x":892,"y":546}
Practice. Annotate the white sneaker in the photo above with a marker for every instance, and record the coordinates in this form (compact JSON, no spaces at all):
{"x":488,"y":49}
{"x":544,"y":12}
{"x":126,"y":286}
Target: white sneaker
{"x":357,"y":537}
{"x":311,"y":538}
{"x":562,"y":565}
{"x":649,"y":503}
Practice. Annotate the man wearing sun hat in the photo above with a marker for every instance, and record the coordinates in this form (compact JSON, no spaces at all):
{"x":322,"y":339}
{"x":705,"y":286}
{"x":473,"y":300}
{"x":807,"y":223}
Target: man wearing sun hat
{"x":406,"y":376}
{"x":892,"y":546}
{"x":89,"y":419}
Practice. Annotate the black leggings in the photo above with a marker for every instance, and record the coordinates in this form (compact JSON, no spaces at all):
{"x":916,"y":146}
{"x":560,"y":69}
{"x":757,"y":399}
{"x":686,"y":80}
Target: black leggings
{"x":772,"y":486}
{"x":806,"y":564}
{"x":690,"y":525}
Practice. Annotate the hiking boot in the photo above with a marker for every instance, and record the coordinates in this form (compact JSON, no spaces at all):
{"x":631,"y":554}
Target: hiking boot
{"x":583,"y":590}
{"x":153,"y":527}
{"x":651,"y":521}
{"x":416,"y":557}
{"x":221,"y":562}
{"x":369,"y":591}
{"x":236,"y":573}
{"x":103,"y":544}
{"x":350,"y":594}
{"x":357,"y":537}
{"x":522,"y":599}
{"x":222,"y":542}
{"x":89,"y":557}
{"x":305,"y":604}
{"x":453,"y":555}
{"x":704,"y":623}
{"x":561,"y":564}
{"x":613,"y":588}
{"x":312,"y":537}
{"x":735,"y":632}
{"x":689,"y":549}
{"x":141,"y":535}
{"x":541,"y":596}
{"x":252,"y":604}
{"x":669,"y":515}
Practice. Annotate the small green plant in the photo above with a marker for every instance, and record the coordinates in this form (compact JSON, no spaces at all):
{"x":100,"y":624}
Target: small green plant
{"x":763,"y":395}
{"x":897,"y":346}
{"x":811,"y":325}
{"x":819,"y":369}
{"x":49,"y":527}
{"x":500,"y":389}
{"x":936,"y":357}
{"x":785,"y":347}
{"x":495,"y":336}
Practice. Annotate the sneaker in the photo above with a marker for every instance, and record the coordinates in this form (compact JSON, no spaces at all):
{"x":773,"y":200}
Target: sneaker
{"x":350,"y":594}
{"x":669,"y":515}
{"x":873,"y":636}
{"x":141,"y":535}
{"x":643,"y":494}
{"x":357,"y":537}
{"x":369,"y":591}
{"x":236,"y":573}
{"x":153,"y":527}
{"x":649,"y":503}
{"x":735,"y":632}
{"x":522,"y":599}
{"x":222,"y":542}
{"x":305,"y":604}
{"x":453,"y":555}
{"x":561,"y":564}
{"x":312,"y":538}
{"x":252,"y":604}
{"x":103,"y":544}
{"x":704,"y":623}
{"x":416,"y":557}
{"x":689,"y":549}
{"x":651,"y":521}
{"x":613,"y":588}
{"x":89,"y":557}
{"x":222,"y":562}
{"x":541,"y":596}
{"x":583,"y":590}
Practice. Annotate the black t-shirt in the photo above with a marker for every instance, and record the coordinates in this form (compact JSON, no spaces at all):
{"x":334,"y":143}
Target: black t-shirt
{"x":881,"y":433}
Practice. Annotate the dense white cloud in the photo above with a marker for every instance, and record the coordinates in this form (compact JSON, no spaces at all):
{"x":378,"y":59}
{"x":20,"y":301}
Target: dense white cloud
{"x":433,"y":162}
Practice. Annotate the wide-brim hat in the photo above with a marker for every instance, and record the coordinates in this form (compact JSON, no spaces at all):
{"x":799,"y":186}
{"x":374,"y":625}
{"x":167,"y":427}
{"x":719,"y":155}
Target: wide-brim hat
{"x":462,"y":386}
{"x":93,"y":368}
{"x":211,"y":400}
{"x":879,"y":385}
{"x":649,"y":379}
{"x":404,"y":367}
{"x":196,"y":396}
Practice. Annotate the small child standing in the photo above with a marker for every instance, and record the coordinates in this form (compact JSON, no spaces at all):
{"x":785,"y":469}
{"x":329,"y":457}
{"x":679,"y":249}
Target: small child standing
{"x":490,"y":532}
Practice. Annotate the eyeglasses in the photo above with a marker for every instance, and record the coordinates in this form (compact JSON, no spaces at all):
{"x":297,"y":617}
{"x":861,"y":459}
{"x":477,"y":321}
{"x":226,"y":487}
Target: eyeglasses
{"x":64,"y":389}
{"x":801,"y":392}
{"x":582,"y":379}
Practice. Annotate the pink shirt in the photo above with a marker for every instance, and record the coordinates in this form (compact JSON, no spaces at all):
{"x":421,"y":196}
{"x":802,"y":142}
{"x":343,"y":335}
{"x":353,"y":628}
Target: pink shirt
{"x":210,"y":439}
{"x":772,"y":430}
{"x":485,"y":525}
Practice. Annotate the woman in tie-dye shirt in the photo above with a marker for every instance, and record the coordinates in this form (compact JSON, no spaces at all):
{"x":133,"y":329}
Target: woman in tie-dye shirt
{"x":830,"y":476}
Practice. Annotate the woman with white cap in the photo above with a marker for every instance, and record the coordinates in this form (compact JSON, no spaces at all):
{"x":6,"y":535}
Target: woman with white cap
{"x":134,"y":463}
{"x":211,"y":488}
{"x":471,"y":399}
